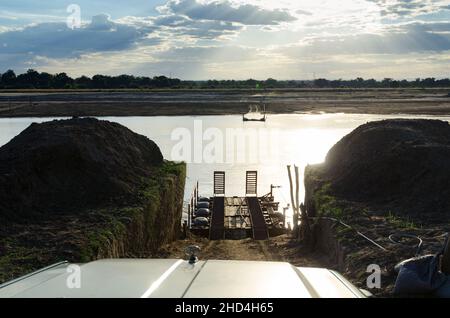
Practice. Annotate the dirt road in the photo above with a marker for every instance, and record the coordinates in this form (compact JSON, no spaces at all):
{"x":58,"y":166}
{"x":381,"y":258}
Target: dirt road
{"x":278,"y":249}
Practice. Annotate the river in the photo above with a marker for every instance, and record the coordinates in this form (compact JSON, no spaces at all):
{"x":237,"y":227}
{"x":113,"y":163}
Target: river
{"x":210,"y":143}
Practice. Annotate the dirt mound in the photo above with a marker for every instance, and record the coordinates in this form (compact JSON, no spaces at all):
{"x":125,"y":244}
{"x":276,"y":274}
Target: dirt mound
{"x":401,"y":164}
{"x":65,"y":165}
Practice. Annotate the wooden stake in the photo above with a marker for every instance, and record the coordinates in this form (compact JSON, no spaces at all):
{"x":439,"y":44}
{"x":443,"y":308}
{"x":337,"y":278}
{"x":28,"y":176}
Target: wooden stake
{"x":192,"y":208}
{"x":189,"y":216}
{"x":197,"y":190}
{"x":297,"y":195}
{"x":291,"y":186}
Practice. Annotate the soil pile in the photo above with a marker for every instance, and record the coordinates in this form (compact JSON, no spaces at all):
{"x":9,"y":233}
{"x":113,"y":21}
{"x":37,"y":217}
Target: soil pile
{"x":385,"y":177}
{"x":65,"y":165}
{"x":402,"y":164}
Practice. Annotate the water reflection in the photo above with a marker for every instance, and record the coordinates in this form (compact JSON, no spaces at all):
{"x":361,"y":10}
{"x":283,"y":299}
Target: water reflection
{"x":302,"y":139}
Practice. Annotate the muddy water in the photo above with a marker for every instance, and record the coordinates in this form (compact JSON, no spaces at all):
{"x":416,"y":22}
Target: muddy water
{"x":211,"y":143}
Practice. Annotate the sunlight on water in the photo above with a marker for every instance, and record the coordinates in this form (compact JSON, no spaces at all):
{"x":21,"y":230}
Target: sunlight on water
{"x":298,"y":139}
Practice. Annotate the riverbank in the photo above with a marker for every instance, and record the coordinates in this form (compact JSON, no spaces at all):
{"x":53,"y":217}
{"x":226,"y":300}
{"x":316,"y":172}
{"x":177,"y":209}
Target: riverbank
{"x":81,"y":190}
{"x":385,"y":178}
{"x":54,"y":103}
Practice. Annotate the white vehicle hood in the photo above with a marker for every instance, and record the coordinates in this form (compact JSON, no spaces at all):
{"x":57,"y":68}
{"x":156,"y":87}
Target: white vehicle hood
{"x":169,"y":278}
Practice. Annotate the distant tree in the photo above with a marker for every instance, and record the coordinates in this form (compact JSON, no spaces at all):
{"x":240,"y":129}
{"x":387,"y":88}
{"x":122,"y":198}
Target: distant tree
{"x":321,"y":83}
{"x":99,"y":81}
{"x":83,"y":82}
{"x":417,"y":82}
{"x":429,"y":82}
{"x":336,"y":83}
{"x":404,"y":83}
{"x":213,"y":84}
{"x":445,"y":82}
{"x":125,"y":81}
{"x":34,"y":79}
{"x":9,"y":78}
{"x":175,"y":82}
{"x":160,"y":81}
{"x":30,"y":79}
{"x":387,"y":82}
{"x":61,"y":80}
{"x":359,"y":82}
{"x":45,"y":80}
{"x":371,"y":83}
{"x":22,"y":82}
{"x":395,"y":84}
{"x":251,"y":83}
{"x":144,"y":82}
{"x":272,"y":83}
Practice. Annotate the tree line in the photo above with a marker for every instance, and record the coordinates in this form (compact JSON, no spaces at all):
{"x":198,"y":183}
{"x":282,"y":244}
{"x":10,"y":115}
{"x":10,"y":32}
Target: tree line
{"x":33,"y":79}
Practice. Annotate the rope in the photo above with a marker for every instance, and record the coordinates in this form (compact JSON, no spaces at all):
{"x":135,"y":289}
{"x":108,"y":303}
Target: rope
{"x":353,"y":229}
{"x":396,"y":239}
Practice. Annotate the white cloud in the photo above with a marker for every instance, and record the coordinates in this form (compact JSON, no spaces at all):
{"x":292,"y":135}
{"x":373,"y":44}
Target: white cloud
{"x":410,"y":8}
{"x":397,"y":39}
{"x":57,"y":40}
{"x":203,"y":29}
{"x":247,"y":14}
{"x":200,"y":39}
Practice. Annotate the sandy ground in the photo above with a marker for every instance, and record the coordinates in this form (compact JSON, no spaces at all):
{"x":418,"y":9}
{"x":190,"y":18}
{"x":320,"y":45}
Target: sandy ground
{"x":277,"y":249}
{"x":222,"y":102}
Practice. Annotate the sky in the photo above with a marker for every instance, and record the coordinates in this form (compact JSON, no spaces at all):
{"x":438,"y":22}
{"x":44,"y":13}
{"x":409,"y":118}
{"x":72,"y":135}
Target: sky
{"x":228,"y":39}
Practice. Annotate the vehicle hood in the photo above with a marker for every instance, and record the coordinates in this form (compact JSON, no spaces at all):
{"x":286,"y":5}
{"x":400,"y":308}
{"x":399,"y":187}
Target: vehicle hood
{"x":161,"y":278}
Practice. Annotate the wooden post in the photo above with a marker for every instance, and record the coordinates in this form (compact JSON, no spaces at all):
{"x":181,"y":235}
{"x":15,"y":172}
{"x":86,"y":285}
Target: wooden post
{"x":297,"y":199}
{"x":192,"y":208}
{"x":189,"y":216}
{"x":185,"y":230}
{"x":195,"y":197}
{"x":291,"y":186}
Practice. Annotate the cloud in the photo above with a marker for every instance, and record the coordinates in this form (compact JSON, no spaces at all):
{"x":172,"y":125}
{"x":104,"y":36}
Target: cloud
{"x":204,"y":29}
{"x":303,"y":12}
{"x":208,"y":54}
{"x":410,"y":8}
{"x":219,"y":62}
{"x":200,"y":39}
{"x":187,"y":62}
{"x":4,"y":29}
{"x":417,"y":37}
{"x":171,"y":26}
{"x":57,"y":40}
{"x":224,"y":11}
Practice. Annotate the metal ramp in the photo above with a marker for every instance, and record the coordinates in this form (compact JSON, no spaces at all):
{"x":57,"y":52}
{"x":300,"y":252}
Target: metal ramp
{"x":259,"y":225}
{"x":258,"y":221}
{"x":217,"y":227}
{"x":216,"y":231}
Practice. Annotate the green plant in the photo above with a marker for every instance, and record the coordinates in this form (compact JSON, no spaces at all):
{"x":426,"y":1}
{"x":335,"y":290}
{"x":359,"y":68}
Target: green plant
{"x":406,"y":224}
{"x":327,"y":204}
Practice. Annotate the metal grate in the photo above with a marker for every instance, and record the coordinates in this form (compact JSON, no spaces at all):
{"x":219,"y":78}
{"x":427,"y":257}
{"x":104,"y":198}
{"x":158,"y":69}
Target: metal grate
{"x":251,"y":183}
{"x":219,"y":183}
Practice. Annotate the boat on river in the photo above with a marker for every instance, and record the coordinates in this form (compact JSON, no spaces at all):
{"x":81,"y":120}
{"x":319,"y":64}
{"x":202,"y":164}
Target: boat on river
{"x":256,"y":112}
